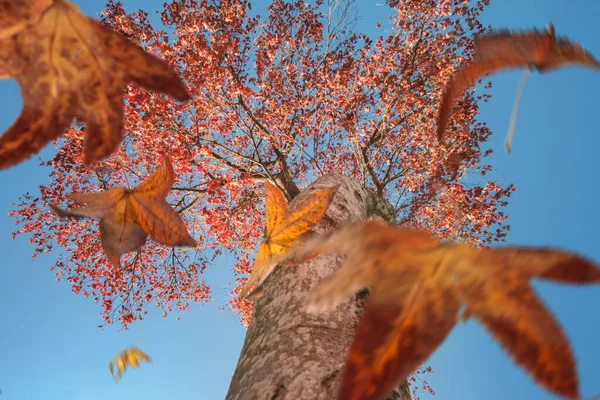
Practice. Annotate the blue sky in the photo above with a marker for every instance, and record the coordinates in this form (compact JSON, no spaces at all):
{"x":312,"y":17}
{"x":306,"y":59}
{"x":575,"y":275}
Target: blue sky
{"x":51,"y":349}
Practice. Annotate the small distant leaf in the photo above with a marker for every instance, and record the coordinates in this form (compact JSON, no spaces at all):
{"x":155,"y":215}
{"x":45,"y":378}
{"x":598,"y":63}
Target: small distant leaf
{"x":283,"y":228}
{"x":128,"y":216}
{"x":70,"y":65}
{"x":419,"y":286}
{"x":129,"y":357}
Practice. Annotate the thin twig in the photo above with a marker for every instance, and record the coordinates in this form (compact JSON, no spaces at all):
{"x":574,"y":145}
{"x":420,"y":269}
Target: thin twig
{"x":515,"y":110}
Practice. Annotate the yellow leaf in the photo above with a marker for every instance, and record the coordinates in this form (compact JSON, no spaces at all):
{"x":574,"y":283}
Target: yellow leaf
{"x":283,"y":227}
{"x":129,"y":357}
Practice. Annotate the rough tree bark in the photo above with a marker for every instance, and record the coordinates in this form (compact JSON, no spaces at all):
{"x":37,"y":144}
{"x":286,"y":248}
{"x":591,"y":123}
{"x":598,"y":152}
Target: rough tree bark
{"x":288,"y":354}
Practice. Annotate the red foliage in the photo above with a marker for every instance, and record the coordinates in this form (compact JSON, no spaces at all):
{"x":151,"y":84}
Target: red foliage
{"x":285,"y":95}
{"x":419,"y":386}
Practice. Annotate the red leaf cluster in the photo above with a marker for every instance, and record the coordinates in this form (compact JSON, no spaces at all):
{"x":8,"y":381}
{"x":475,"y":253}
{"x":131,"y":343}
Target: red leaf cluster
{"x":284,"y":97}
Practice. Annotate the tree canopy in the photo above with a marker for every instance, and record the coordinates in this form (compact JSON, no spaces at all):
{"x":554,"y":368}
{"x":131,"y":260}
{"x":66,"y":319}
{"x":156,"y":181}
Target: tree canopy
{"x":285,"y":97}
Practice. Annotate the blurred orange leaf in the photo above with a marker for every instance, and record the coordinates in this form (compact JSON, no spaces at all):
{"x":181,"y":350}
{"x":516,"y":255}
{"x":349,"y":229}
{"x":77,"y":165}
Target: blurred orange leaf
{"x":69,"y":65}
{"x":420,"y":286}
{"x":503,"y":50}
{"x":128,"y":216}
{"x":129,"y":357}
{"x":285,"y":231}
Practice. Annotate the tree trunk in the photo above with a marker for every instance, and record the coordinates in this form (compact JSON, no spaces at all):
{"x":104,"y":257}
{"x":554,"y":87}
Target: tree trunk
{"x":288,"y":354}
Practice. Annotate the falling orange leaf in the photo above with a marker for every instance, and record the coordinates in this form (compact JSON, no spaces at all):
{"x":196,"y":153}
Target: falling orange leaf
{"x":129,"y":357}
{"x":70,"y":65}
{"x":419,"y":286}
{"x":503,"y":50}
{"x":128,"y":216}
{"x":285,"y":230}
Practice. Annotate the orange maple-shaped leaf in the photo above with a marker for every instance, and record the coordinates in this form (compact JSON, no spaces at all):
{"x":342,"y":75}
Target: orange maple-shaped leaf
{"x":128,"y":216}
{"x":540,"y":50}
{"x":419,"y":287}
{"x":69,"y":65}
{"x":285,"y":231}
{"x":131,"y":356}
{"x":16,"y":15}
